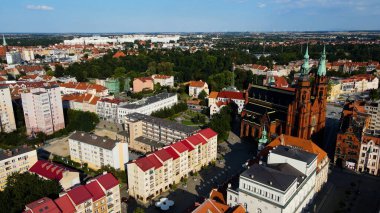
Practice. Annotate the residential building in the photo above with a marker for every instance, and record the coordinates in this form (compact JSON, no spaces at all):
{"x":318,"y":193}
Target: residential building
{"x":13,"y":57}
{"x":7,"y":118}
{"x":97,"y":151}
{"x":82,"y":102}
{"x":43,"y":111}
{"x":297,"y":111}
{"x":27,"y":55}
{"x":286,"y":183}
{"x":107,"y":109}
{"x":66,"y":177}
{"x":99,"y":195}
{"x":155,"y":173}
{"x":113,"y":85}
{"x":196,"y":87}
{"x":163,"y":80}
{"x":217,"y":100}
{"x":347,"y":149}
{"x":82,"y":87}
{"x":352,"y":84}
{"x":147,"y":133}
{"x":143,"y":83}
{"x":369,"y":156}
{"x":308,"y":146}
{"x":217,"y":203}
{"x":372,"y":108}
{"x":147,"y":105}
{"x":20,"y":160}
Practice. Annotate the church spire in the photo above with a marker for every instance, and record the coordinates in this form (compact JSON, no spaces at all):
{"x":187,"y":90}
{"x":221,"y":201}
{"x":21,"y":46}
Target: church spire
{"x":4,"y":42}
{"x":305,"y":65}
{"x":264,"y":139}
{"x":322,"y":63}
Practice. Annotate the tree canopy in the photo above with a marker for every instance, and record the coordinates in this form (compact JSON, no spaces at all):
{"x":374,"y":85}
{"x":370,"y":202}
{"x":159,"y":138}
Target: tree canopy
{"x":81,"y":121}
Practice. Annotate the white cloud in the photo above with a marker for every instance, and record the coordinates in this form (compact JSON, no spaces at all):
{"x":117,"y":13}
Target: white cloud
{"x":39,"y":7}
{"x":261,"y":5}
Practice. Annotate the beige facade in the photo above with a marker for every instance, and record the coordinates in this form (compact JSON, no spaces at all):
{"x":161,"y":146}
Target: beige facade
{"x":7,"y":118}
{"x":155,"y":173}
{"x":15,"y":160}
{"x":369,"y":160}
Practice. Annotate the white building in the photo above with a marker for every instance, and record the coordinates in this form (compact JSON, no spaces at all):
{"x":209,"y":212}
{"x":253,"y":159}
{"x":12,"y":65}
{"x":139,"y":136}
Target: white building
{"x":163,"y":80}
{"x":98,"y":40}
{"x":43,"y":110}
{"x":98,"y":151}
{"x":369,"y":157}
{"x":7,"y":118}
{"x":217,"y":100}
{"x":285,"y":184}
{"x":196,"y":87}
{"x":13,"y":57}
{"x":107,"y":109}
{"x":147,"y":105}
{"x":27,"y":55}
{"x":373,"y":109}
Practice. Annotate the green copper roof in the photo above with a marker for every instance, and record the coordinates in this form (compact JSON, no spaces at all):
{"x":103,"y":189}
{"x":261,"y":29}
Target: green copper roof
{"x":322,"y":63}
{"x":305,"y":66}
{"x":263,"y":138}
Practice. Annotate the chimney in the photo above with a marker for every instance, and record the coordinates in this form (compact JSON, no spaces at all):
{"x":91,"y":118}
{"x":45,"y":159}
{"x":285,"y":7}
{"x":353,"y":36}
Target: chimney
{"x":229,"y":185}
{"x":252,"y":176}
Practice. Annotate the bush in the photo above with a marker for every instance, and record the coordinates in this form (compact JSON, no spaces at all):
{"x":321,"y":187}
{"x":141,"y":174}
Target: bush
{"x":168,"y":112}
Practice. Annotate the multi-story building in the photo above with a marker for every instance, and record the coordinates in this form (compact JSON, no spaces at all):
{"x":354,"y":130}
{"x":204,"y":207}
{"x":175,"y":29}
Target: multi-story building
{"x":43,"y":111}
{"x":81,"y":102}
{"x":13,"y":57}
{"x":99,"y":195}
{"x":347,"y":149}
{"x":285,"y":184}
{"x":113,"y":85}
{"x":147,"y":105}
{"x":82,"y":87}
{"x":372,"y":108}
{"x":7,"y":118}
{"x":217,"y":100}
{"x":98,"y":151}
{"x":107,"y":109}
{"x":163,"y":80}
{"x":143,"y":83}
{"x":15,"y":160}
{"x":196,"y":87}
{"x":146,"y":133}
{"x":369,"y":157}
{"x":353,"y":84}
{"x":155,"y":173}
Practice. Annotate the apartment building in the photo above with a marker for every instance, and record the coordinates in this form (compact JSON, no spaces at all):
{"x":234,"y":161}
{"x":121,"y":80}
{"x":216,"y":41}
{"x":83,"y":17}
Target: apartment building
{"x":107,"y":109}
{"x":43,"y":111}
{"x":82,"y":87}
{"x":217,"y":100}
{"x":99,"y":195}
{"x":196,"y":87}
{"x":20,"y":160}
{"x":163,"y":80}
{"x":97,"y":151}
{"x":369,"y":157}
{"x":147,"y":105}
{"x":143,"y":83}
{"x":155,"y":173}
{"x":286,"y":183}
{"x":7,"y":118}
{"x":146,"y":133}
{"x":372,"y":108}
{"x":81,"y":102}
{"x":353,"y":84}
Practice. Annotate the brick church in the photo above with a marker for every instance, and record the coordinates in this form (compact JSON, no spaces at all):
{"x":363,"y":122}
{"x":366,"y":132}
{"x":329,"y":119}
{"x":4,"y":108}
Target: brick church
{"x":298,"y":111}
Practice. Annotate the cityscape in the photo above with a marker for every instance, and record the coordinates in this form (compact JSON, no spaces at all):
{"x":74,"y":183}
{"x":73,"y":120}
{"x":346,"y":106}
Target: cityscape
{"x":190,"y":107}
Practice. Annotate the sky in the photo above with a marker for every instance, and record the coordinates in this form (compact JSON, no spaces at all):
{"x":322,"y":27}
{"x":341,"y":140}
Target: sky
{"x":81,"y":16}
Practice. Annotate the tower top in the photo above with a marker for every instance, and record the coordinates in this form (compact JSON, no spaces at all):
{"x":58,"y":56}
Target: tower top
{"x":4,"y":42}
{"x":305,"y":66}
{"x":322,"y":63}
{"x":264,"y":138}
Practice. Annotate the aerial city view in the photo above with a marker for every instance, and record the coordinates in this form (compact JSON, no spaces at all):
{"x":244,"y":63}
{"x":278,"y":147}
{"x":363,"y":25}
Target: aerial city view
{"x":219,"y":106}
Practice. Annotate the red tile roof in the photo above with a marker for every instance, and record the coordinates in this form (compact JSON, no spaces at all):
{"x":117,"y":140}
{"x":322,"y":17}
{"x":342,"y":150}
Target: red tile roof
{"x":208,"y":133}
{"x":65,"y":204}
{"x":162,"y":155}
{"x":43,"y":205}
{"x":194,"y":140}
{"x":197,"y":83}
{"x":95,"y":190}
{"x":231,"y":95}
{"x":144,"y":79}
{"x":108,"y":181}
{"x":201,"y":138}
{"x":188,"y":145}
{"x":79,"y":195}
{"x":119,"y":54}
{"x":172,"y":152}
{"x":161,"y":76}
{"x":152,"y":158}
{"x":144,"y":164}
{"x":179,"y":147}
{"x":48,"y":170}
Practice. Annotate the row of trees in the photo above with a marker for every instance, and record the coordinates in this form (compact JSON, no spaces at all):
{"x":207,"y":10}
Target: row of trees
{"x":221,"y":122}
{"x":167,"y":112}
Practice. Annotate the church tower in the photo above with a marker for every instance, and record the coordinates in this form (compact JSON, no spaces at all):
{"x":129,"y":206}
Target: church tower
{"x":321,"y":83}
{"x":4,"y":42}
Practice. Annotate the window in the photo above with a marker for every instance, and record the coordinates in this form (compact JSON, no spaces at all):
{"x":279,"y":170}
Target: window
{"x":259,"y":210}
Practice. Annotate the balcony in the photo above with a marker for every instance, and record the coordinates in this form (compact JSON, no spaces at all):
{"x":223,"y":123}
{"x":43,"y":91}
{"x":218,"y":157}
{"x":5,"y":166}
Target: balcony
{"x":109,"y":193}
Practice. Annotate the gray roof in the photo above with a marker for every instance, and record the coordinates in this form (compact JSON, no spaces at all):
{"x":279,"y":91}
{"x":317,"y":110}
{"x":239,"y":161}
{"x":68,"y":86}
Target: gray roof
{"x":4,"y":154}
{"x":295,"y":153}
{"x":95,"y":140}
{"x":278,"y":176}
{"x":148,"y":100}
{"x":150,"y":142}
{"x":161,"y":122}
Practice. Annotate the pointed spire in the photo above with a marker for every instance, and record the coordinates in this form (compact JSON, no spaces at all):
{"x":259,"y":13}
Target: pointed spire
{"x":263,"y":138}
{"x":322,"y":63}
{"x":4,"y":42}
{"x":233,"y":75}
{"x":305,"y":65}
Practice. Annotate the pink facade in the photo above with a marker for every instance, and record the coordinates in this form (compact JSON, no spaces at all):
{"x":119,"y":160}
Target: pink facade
{"x":43,"y":111}
{"x":140,"y":84}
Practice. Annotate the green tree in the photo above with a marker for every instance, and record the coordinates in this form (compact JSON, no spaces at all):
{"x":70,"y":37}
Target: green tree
{"x":202,"y":95}
{"x":81,"y":121}
{"x":25,"y":188}
{"x":221,"y":122}
{"x":59,"y":71}
{"x":139,"y":210}
{"x":374,"y":94}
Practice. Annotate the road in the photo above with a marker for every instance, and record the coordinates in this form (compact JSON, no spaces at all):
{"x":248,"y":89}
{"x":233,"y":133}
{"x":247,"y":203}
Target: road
{"x":333,"y":114}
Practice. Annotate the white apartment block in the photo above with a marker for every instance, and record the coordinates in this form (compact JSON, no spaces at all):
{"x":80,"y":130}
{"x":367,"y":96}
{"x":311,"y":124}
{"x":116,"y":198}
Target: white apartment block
{"x":147,"y":105}
{"x":107,"y":109}
{"x":13,"y":58}
{"x":98,"y":151}
{"x":98,"y":40}
{"x":20,"y":160}
{"x":163,"y":80}
{"x":196,"y":87}
{"x":43,"y":110}
{"x":369,"y":157}
{"x":7,"y":118}
{"x":285,"y":184}
{"x":155,"y":173}
{"x":373,"y":109}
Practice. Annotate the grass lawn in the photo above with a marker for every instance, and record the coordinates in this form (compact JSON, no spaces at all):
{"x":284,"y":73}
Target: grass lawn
{"x":188,"y":123}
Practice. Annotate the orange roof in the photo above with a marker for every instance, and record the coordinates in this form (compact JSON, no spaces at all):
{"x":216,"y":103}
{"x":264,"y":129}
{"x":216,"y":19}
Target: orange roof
{"x":94,"y":100}
{"x":211,"y":206}
{"x":119,"y":54}
{"x":213,"y":94}
{"x":161,"y":76}
{"x":306,"y":145}
{"x":197,"y":83}
{"x":2,"y":79}
{"x":144,"y":79}
{"x":216,"y":195}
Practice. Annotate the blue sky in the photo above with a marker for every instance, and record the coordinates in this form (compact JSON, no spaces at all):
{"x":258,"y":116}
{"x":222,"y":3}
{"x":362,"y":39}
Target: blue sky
{"x":187,"y":15}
